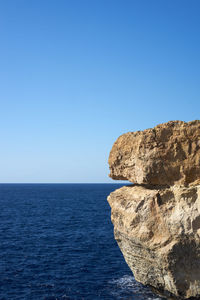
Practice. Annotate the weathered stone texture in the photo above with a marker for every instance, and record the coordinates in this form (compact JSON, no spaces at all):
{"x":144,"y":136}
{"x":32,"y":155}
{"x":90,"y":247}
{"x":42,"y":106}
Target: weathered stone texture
{"x":157,"y":220}
{"x":158,"y":232}
{"x":165,"y":155}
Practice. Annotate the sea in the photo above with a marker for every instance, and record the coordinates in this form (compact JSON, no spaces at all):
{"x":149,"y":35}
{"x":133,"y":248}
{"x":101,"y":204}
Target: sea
{"x":56,"y":242}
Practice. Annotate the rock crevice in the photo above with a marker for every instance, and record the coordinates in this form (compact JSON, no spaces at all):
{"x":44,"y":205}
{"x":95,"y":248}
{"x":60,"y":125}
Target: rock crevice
{"x":157,"y":219}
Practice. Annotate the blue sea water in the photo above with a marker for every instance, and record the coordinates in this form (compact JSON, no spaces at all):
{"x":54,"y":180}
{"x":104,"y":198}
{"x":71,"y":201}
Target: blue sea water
{"x":56,"y":242}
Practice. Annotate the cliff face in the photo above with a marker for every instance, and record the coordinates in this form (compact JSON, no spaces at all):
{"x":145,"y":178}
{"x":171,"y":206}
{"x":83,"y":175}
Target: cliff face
{"x":157,"y":220}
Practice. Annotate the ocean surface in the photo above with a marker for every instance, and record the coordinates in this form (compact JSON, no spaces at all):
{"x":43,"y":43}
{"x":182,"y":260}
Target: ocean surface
{"x":56,"y":242}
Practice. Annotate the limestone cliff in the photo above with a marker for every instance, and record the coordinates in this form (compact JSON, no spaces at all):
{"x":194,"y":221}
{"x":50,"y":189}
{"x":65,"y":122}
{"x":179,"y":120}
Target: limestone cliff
{"x":157,"y":220}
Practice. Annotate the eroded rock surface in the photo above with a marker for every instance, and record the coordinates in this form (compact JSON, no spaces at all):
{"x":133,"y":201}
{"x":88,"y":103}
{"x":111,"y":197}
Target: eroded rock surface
{"x":157,"y":222}
{"x":158,"y":232}
{"x":165,"y":155}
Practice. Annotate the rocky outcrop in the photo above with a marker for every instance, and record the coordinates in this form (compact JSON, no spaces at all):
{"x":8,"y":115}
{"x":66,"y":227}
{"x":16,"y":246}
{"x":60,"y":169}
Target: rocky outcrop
{"x":157,"y":220}
{"x":165,"y":155}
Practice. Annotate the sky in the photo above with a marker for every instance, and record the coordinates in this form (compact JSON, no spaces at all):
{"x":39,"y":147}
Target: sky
{"x":76,"y":74}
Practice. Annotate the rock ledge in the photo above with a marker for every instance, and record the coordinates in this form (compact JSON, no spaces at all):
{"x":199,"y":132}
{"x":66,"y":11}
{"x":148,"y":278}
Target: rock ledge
{"x":164,"y":155}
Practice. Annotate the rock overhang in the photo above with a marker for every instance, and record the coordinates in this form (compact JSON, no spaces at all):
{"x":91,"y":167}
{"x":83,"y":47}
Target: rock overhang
{"x":167,"y":154}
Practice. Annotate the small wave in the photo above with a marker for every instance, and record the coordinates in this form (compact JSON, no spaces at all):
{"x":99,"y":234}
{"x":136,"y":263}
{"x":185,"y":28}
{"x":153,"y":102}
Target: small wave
{"x":124,"y":282}
{"x":128,"y":285}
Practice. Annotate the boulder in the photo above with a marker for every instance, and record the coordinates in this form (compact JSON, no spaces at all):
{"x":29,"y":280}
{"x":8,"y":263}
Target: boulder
{"x":164,"y":155}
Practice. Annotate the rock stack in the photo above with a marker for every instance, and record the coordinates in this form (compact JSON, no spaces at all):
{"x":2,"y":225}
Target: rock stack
{"x":157,"y":218}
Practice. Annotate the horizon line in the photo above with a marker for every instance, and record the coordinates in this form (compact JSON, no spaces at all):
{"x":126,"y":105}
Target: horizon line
{"x":61,"y":182}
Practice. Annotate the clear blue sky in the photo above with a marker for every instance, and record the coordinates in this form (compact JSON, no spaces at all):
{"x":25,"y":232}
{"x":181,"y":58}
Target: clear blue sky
{"x":76,"y":74}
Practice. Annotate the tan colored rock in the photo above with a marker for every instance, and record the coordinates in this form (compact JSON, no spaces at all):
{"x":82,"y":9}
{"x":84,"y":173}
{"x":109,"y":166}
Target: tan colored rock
{"x":157,"y":220}
{"x":165,"y":155}
{"x":158,"y":231}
